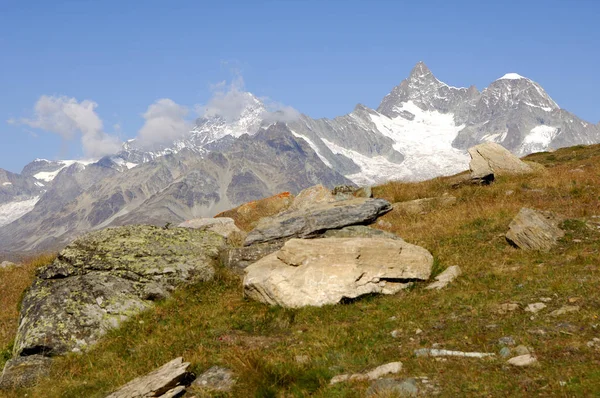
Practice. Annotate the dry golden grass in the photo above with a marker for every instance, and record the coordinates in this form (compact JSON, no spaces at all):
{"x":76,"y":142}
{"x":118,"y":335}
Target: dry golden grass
{"x":13,"y":282}
{"x":212,"y":324}
{"x":247,"y":215}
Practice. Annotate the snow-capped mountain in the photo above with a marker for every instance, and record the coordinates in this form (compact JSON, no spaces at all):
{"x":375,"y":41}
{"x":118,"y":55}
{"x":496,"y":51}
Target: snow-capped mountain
{"x":420,"y":130}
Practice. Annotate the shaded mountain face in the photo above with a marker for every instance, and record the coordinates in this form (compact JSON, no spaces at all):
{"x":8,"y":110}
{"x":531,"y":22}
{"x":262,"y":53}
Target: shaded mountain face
{"x":168,"y":189}
{"x":420,"y":130}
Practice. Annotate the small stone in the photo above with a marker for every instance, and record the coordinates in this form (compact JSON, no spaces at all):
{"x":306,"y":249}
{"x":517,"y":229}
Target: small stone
{"x":445,"y":278}
{"x":506,"y":308}
{"x":339,"y":379}
{"x":391,"y":387}
{"x":392,"y":318}
{"x":535,"y":307}
{"x":505,"y":352}
{"x":562,"y":383}
{"x":506,"y":341}
{"x":418,"y":331}
{"x":574,"y":299}
{"x":523,"y":361}
{"x":388,"y":368}
{"x":521,"y":350}
{"x":395,"y":333}
{"x":564,"y":310}
{"x":545,"y":299}
{"x":214,"y":379}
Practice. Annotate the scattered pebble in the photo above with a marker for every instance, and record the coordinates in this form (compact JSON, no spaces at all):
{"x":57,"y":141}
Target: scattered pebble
{"x":418,"y":331}
{"x":433,"y":352}
{"x":535,"y":307}
{"x":564,"y":310}
{"x":506,"y":341}
{"x":395,"y":333}
{"x":545,"y":299}
{"x":523,"y":361}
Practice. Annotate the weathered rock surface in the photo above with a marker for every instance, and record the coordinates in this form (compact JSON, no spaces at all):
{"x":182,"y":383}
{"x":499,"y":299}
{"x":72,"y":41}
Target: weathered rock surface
{"x":534,"y":230}
{"x":165,"y":381}
{"x":359,"y":231}
{"x":105,"y":277}
{"x":491,"y":158}
{"x":215,"y":379}
{"x":23,"y":372}
{"x":312,"y":221}
{"x":239,"y":258}
{"x":223,"y":226}
{"x":443,"y":279}
{"x":565,"y":310}
{"x":317,"y":272}
{"x":425,"y":205}
{"x":349,"y":191}
{"x":311,"y":197}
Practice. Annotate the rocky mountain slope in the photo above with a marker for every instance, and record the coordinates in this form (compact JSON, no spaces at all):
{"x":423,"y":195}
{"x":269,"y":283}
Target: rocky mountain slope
{"x":168,"y":189}
{"x":420,"y":130}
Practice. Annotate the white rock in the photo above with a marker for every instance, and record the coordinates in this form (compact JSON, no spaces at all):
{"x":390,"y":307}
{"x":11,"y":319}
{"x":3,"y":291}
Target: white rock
{"x":432,"y":352}
{"x":443,"y":279}
{"x":564,"y":310}
{"x":535,"y":307}
{"x":523,"y":361}
{"x":317,"y":272}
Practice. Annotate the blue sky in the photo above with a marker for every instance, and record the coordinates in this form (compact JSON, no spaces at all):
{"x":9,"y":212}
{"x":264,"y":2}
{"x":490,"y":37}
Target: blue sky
{"x":320,"y":57}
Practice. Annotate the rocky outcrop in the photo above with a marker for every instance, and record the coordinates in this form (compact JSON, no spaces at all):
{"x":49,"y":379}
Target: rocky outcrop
{"x":311,"y":197}
{"x":169,"y":380}
{"x":215,"y":380}
{"x":103,"y":278}
{"x":317,"y":272}
{"x":534,"y":230}
{"x":359,"y":231}
{"x":238,"y":258}
{"x":223,"y":226}
{"x":316,"y":219}
{"x":491,"y":159}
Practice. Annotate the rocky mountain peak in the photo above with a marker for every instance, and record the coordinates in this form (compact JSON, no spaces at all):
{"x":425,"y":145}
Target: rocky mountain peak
{"x":420,"y":74}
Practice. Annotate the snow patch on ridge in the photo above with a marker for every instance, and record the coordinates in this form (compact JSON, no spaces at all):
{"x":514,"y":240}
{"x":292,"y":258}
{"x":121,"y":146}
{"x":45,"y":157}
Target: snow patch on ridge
{"x":538,"y":140}
{"x":512,"y":76}
{"x":11,"y":211}
{"x":48,"y":176}
{"x":314,"y":147}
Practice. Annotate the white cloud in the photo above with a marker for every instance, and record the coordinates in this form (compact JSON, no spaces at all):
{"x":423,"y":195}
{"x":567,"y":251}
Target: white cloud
{"x":165,"y":122}
{"x":230,"y":101}
{"x":68,"y":118}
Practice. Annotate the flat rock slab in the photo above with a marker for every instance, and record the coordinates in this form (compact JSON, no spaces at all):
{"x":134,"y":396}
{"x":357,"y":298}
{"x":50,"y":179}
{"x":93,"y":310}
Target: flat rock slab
{"x":223,"y":226}
{"x":317,"y":219}
{"x":491,"y":158}
{"x":23,"y":372}
{"x":359,"y":231}
{"x":317,"y":272}
{"x":534,"y":230}
{"x":165,"y":380}
{"x":105,"y":277}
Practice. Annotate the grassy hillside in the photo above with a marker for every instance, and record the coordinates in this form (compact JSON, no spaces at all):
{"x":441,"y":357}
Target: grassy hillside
{"x":277,"y":352}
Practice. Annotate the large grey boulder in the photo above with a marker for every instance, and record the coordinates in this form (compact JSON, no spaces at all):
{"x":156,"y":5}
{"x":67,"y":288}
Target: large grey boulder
{"x":312,"y":221}
{"x":316,"y":272}
{"x":534,"y":230}
{"x":105,"y":277}
{"x":169,"y":380}
{"x":491,"y":159}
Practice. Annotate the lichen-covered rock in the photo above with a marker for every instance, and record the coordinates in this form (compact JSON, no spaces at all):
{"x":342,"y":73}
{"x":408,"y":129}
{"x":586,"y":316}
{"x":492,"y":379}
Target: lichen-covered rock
{"x":238,"y":258}
{"x":23,"y":372}
{"x":311,"y":197}
{"x":316,"y":272}
{"x":534,"y":230}
{"x":103,"y":278}
{"x":312,"y":221}
{"x":215,"y":379}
